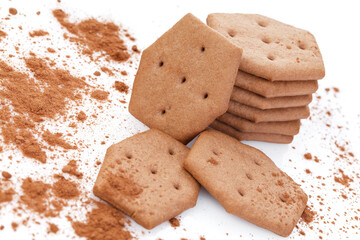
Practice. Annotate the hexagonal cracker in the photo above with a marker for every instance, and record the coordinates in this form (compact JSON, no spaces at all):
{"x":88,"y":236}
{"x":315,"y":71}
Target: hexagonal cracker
{"x":246,"y":182}
{"x":185,"y":79}
{"x":143,"y":177}
{"x":271,"y":49}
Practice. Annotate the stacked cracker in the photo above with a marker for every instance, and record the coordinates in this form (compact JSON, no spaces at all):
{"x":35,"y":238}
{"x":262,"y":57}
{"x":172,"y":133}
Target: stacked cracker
{"x":278,"y":72}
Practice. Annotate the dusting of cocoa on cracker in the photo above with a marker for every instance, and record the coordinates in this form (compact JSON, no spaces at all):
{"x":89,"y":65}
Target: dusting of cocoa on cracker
{"x":121,"y":87}
{"x":308,"y":215}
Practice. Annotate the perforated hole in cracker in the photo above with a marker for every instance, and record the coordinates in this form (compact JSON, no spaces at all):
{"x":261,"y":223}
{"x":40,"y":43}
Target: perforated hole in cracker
{"x":265,"y":40}
{"x":249,"y":176}
{"x":171,"y":152}
{"x":262,"y":23}
{"x":177,"y":186}
{"x":183,"y":80}
{"x":241,"y":192}
{"x":128,"y":156}
{"x":206,"y":95}
{"x":271,"y":57}
{"x":161,"y":64}
{"x":203,"y":49}
{"x":215,"y":152}
{"x":231,"y":33}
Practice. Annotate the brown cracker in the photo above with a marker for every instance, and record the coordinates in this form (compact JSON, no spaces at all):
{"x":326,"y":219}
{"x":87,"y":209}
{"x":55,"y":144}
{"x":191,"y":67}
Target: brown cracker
{"x":254,"y":100}
{"x":246,"y":182}
{"x":185,"y":79}
{"x":249,"y":136}
{"x":143,"y":177}
{"x":243,"y":125}
{"x":271,"y":49}
{"x":269,"y":89}
{"x":268,"y":115}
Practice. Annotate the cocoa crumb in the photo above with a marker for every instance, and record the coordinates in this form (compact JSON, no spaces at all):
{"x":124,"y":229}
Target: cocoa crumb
{"x":107,"y":70}
{"x":2,"y":34}
{"x":307,"y":171}
{"x":55,"y":139}
{"x":308,"y":156}
{"x":121,"y":87}
{"x":38,"y":33}
{"x":174,"y":222}
{"x":124,"y":73}
{"x":14,"y":226}
{"x":308,"y":215}
{"x":51,"y":50}
{"x":344,"y":179}
{"x":13,"y":11}
{"x":53,"y":228}
{"x":97,"y":73}
{"x":6,"y":175}
{"x":81,"y":116}
{"x":71,"y":168}
{"x":99,"y":95}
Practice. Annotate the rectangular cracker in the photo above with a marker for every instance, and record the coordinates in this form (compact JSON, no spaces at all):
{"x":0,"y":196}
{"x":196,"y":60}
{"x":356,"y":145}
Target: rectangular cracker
{"x":249,"y":136}
{"x":271,"y":49}
{"x":185,"y":79}
{"x":254,"y":100}
{"x":268,"y":115}
{"x":243,"y":125}
{"x":143,"y":177}
{"x":246,"y":182}
{"x":270,"y":89}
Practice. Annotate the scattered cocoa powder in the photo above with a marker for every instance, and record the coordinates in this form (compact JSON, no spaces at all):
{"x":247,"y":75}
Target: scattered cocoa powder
{"x":6,"y":195}
{"x":103,"y":222}
{"x":97,"y":73}
{"x":81,"y":116}
{"x":35,"y":195}
{"x":174,"y":222}
{"x":99,"y":95}
{"x":95,"y":36}
{"x":121,"y":87}
{"x":14,"y":226}
{"x":38,"y":33}
{"x":51,"y":50}
{"x":307,"y":171}
{"x":71,"y":168}
{"x":2,"y":34}
{"x":65,"y":189}
{"x":53,"y":228}
{"x":13,"y":11}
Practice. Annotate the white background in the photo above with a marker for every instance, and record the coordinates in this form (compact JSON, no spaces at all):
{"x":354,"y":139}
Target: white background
{"x":335,"y":25}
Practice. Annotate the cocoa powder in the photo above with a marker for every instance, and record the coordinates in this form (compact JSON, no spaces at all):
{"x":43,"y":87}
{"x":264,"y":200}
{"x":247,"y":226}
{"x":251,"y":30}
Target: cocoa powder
{"x":38,"y":33}
{"x":99,"y":95}
{"x":65,"y":189}
{"x":121,"y":87}
{"x":71,"y":168}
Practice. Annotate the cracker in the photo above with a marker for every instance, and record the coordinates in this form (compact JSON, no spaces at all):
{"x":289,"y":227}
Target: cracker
{"x":143,"y":177}
{"x":268,"y":115}
{"x":254,"y":100}
{"x":185,"y":79}
{"x":269,"y":89}
{"x":243,"y":125}
{"x":271,"y":49}
{"x":246,"y":182}
{"x":249,"y":136}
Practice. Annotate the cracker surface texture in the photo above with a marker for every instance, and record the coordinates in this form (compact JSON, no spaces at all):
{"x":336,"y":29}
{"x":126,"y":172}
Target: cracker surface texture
{"x":185,"y":79}
{"x":271,"y":49}
{"x":246,"y":182}
{"x":143,"y":177}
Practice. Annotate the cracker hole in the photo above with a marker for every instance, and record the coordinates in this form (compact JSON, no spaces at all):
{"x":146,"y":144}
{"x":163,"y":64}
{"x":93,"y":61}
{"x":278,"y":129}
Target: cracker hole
{"x":161,"y":64}
{"x":163,"y":112}
{"x":271,"y":57}
{"x":128,"y":156}
{"x":206,"y":95}
{"x":302,"y":46}
{"x":249,"y":176}
{"x":231,"y":33}
{"x":203,"y":49}
{"x":262,"y":23}
{"x":153,"y":171}
{"x":241,"y":192}
{"x":257,"y":162}
{"x":183,"y":80}
{"x":177,"y":186}
{"x":215,"y":152}
{"x":265,"y":40}
{"x":171,"y":152}
{"x":282,"y":199}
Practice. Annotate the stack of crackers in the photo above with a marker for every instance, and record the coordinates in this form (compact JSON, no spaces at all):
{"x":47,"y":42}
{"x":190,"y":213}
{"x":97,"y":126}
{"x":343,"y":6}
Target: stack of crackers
{"x":277,"y":76}
{"x":186,"y":80}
